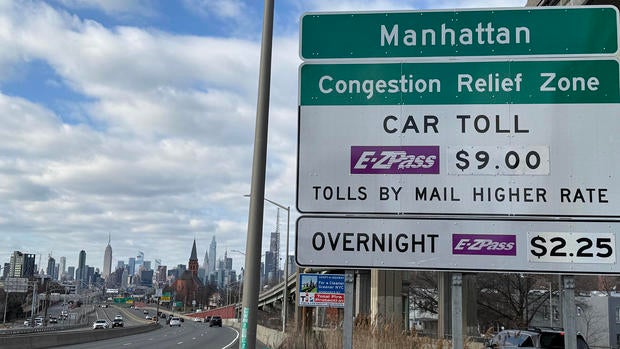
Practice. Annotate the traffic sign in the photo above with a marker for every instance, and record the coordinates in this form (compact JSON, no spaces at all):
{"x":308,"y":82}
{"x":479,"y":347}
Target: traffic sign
{"x":576,"y":246}
{"x":491,"y":138}
{"x":579,"y":30}
{"x":321,"y":290}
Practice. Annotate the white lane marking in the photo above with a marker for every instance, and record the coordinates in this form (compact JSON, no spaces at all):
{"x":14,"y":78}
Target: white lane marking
{"x":234,"y":340}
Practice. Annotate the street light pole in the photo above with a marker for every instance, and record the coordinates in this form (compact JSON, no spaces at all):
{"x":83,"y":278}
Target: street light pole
{"x":249,"y":310}
{"x":285,"y":286}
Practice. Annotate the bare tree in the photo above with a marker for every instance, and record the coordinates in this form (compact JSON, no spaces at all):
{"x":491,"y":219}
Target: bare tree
{"x":507,"y":298}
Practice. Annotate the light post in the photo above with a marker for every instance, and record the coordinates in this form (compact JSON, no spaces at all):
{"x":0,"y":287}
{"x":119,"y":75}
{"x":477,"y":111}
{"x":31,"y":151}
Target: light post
{"x":285,"y":286}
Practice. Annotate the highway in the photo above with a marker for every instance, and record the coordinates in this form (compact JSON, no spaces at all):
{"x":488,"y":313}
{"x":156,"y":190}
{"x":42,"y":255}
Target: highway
{"x":189,"y":335}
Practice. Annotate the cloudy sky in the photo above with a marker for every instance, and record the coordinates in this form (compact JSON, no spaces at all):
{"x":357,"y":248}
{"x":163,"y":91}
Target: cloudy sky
{"x":135,"y":118}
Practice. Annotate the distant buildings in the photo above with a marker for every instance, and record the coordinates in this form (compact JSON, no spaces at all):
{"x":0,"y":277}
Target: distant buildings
{"x":22,"y":265}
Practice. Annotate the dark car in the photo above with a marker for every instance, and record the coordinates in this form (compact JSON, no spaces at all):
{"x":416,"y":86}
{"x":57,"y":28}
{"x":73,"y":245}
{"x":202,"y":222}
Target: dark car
{"x":534,"y":337}
{"x":117,"y":323}
{"x":53,"y":320}
{"x":215,"y":321}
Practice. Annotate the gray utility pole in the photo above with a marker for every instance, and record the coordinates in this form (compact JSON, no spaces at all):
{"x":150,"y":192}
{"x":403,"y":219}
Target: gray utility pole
{"x":457,"y":310}
{"x":569,"y":312}
{"x":249,"y":310}
{"x":347,"y":328}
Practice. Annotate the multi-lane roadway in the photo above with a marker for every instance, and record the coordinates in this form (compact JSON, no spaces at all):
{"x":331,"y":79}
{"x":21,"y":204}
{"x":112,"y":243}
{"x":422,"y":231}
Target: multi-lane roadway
{"x":189,"y":335}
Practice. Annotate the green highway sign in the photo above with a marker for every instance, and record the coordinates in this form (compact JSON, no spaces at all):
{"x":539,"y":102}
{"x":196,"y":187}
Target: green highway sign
{"x":587,"y":30}
{"x":497,"y":82}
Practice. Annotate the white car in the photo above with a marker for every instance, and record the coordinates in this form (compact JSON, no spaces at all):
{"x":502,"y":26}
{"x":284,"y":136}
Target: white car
{"x":175,"y":321}
{"x":197,"y":319}
{"x":101,"y":324}
{"x":118,"y":317}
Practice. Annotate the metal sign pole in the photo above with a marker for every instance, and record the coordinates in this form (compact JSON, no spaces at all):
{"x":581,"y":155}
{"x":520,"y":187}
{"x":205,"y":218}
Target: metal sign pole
{"x":347,"y":328}
{"x":6,"y":305}
{"x":569,"y":312}
{"x":457,"y":310}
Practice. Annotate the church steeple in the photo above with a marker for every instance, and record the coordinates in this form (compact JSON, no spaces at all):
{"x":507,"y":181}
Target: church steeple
{"x":193,"y":260}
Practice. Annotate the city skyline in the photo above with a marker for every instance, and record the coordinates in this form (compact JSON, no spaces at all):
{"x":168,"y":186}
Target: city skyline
{"x":84,"y":256}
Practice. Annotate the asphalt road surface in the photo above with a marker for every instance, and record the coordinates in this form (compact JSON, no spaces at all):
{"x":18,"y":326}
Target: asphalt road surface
{"x":189,"y":335}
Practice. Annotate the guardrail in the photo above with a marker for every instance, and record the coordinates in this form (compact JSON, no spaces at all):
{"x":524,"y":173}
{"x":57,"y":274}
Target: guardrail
{"x":54,"y":339}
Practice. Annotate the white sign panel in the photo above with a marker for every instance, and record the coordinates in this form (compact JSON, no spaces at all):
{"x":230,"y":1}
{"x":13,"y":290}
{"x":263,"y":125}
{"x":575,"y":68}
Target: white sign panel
{"x":547,"y":162}
{"x":475,"y":138}
{"x":17,"y":285}
{"x":579,"y":246}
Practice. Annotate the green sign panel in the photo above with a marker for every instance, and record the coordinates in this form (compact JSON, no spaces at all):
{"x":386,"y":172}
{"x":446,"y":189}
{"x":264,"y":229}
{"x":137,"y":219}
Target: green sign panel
{"x":497,"y":82}
{"x":587,"y":30}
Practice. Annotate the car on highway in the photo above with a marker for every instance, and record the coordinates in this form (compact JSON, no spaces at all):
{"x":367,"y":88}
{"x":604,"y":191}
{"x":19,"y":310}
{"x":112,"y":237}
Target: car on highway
{"x":27,"y":323}
{"x":149,"y":317}
{"x":64,"y":314}
{"x":103,"y":306}
{"x":38,"y":321}
{"x":533,"y":337}
{"x":100,"y":324}
{"x":216,"y":321}
{"x":197,"y":319}
{"x":145,"y":311}
{"x":117,"y":322}
{"x":175,"y":321}
{"x":118,"y":316}
{"x":53,"y":320}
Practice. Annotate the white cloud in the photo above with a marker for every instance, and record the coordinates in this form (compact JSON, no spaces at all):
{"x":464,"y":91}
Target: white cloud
{"x":220,"y":8}
{"x":142,"y":7}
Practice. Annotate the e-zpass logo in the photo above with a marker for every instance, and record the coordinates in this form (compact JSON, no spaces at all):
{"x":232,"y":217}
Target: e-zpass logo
{"x":395,"y":159}
{"x":481,"y":244}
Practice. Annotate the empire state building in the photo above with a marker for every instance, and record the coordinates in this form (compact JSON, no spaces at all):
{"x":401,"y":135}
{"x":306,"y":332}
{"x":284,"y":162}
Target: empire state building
{"x":107,"y":260}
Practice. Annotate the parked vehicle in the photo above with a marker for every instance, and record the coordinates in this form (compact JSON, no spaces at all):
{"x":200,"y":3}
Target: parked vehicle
{"x":101,"y":324}
{"x":216,"y":321}
{"x":533,"y":337}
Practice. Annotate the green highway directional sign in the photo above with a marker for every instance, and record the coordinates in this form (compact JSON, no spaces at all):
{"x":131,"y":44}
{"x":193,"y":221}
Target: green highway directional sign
{"x":499,"y":82}
{"x":587,"y":30}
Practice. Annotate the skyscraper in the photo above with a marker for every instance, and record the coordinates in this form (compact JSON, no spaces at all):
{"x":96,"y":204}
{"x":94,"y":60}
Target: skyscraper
{"x":139,"y":262}
{"x":51,"y":265}
{"x":131,"y":265}
{"x":274,"y":248}
{"x":212,"y":253}
{"x":62,"y":267}
{"x":205,"y":261}
{"x":107,"y":260}
{"x":22,"y":265}
{"x":81,"y":271}
{"x":71,"y":273}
